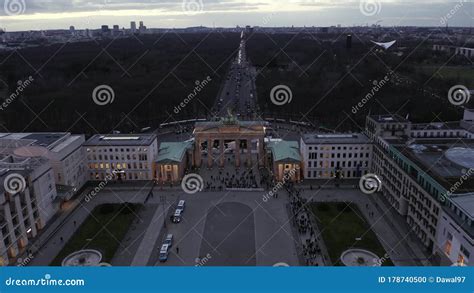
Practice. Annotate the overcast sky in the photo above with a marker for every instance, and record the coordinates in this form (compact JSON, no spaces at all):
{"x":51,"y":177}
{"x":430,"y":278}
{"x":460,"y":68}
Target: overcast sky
{"x":52,"y":14}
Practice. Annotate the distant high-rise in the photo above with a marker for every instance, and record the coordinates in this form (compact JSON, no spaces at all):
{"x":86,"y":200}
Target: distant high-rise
{"x":142,"y":28}
{"x":133,"y":27}
{"x":105,"y":28}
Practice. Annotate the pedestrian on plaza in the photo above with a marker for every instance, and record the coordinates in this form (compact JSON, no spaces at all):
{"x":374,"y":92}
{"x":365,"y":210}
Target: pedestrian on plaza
{"x":177,"y":250}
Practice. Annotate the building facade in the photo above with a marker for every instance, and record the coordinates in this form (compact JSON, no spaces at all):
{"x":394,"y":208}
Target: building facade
{"x":124,"y":157}
{"x":426,"y":172}
{"x":28,"y":200}
{"x":63,"y":150}
{"x":327,"y":156}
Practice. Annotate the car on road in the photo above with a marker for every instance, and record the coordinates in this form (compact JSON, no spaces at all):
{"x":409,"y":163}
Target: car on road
{"x":177,"y":216}
{"x":164,"y":253}
{"x":169,"y":240}
{"x":181,"y":205}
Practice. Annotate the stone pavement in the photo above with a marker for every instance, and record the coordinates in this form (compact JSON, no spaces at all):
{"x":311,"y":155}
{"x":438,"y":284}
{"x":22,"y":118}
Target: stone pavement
{"x":274,"y":241}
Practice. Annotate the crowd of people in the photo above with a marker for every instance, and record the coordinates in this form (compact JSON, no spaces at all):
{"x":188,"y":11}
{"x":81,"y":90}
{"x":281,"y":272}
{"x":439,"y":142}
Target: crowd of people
{"x":239,"y":179}
{"x":301,"y":218}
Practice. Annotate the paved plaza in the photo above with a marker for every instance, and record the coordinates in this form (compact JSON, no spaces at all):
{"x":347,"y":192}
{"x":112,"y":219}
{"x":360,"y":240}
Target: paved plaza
{"x":225,"y":228}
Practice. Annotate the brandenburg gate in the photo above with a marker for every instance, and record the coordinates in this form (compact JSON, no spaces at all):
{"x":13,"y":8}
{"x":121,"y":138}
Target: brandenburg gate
{"x":246,"y":135}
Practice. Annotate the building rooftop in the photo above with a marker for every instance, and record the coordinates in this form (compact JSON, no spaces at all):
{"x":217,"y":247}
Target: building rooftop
{"x":389,"y":119}
{"x":44,"y":139}
{"x":242,"y":125}
{"x":286,"y":151}
{"x":121,"y":140}
{"x":442,"y":159}
{"x":436,"y":126}
{"x":173,"y":152}
{"x":465,"y":203}
{"x":324,"y":138}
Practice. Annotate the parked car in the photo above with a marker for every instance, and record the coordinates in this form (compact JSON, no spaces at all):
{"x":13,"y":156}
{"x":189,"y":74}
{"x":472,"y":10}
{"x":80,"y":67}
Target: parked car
{"x":169,"y":240}
{"x":177,"y":216}
{"x":181,"y":205}
{"x":164,"y":253}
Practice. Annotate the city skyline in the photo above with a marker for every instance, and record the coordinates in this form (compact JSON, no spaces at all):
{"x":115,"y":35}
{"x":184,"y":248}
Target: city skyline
{"x":41,"y":15}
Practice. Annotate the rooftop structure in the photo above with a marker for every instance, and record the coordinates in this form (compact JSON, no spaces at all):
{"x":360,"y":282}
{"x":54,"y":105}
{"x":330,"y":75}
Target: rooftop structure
{"x":323,"y":138}
{"x":121,"y":140}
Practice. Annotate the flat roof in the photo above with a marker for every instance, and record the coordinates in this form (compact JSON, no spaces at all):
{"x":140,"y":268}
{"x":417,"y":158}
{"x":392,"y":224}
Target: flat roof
{"x":389,"y":118}
{"x":430,"y":156}
{"x":121,"y":140}
{"x":44,"y":139}
{"x":335,"y":138}
{"x":466,"y":203}
{"x":437,"y":126}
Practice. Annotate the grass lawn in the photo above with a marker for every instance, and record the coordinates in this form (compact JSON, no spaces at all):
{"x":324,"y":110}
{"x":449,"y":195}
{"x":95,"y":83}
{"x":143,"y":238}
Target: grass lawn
{"x":340,"y":226}
{"x":115,"y":218}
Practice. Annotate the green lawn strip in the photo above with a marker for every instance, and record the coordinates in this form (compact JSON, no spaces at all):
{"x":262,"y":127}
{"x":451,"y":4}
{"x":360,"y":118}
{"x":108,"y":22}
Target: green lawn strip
{"x":340,"y":226}
{"x":116,"y":218}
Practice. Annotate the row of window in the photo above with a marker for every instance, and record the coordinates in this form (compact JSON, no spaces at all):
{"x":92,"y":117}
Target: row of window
{"x":333,"y":148}
{"x":314,"y":156}
{"x":141,"y":157}
{"x":326,"y":174}
{"x":334,"y":164}
{"x":116,"y":150}
{"x":128,"y":176}
{"x":118,"y":166}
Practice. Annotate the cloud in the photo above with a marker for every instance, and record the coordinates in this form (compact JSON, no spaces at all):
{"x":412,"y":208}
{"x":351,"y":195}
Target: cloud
{"x":45,"y":14}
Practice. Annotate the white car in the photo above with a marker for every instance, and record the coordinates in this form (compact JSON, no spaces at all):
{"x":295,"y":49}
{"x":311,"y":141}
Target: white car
{"x":181,"y":205}
{"x":164,"y":253}
{"x":177,"y":216}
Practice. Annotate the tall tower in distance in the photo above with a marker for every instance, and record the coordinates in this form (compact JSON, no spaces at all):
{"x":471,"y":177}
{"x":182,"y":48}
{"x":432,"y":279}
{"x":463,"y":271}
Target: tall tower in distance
{"x":133,"y":27}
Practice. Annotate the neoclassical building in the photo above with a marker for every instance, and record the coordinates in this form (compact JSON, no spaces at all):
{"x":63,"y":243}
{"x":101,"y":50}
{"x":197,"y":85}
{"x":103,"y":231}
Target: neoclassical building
{"x":242,"y":138}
